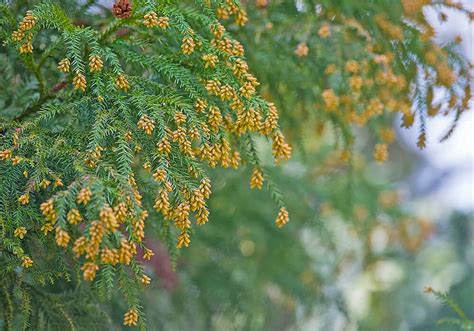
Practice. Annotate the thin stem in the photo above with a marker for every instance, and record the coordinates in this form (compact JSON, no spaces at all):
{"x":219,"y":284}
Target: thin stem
{"x":41,"y":101}
{"x":30,"y":63}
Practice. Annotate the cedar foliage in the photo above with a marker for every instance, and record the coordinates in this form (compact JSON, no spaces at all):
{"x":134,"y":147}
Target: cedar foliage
{"x":88,"y":166}
{"x":346,"y":65}
{"x":461,"y":322}
{"x":117,"y":115}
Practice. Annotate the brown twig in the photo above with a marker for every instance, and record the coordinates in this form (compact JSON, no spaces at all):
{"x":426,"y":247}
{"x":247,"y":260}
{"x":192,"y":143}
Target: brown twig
{"x":41,"y":101}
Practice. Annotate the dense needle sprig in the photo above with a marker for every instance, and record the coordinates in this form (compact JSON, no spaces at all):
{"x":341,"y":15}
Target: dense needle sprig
{"x":142,"y":119}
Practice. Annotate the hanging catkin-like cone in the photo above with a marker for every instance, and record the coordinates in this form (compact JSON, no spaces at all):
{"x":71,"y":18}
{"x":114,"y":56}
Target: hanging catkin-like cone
{"x":122,"y":8}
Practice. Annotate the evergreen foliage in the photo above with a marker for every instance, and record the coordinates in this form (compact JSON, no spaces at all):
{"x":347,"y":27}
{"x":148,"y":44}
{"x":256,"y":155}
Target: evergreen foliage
{"x":112,"y":121}
{"x":344,"y":65}
{"x":153,"y":99}
{"x":462,"y":321}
